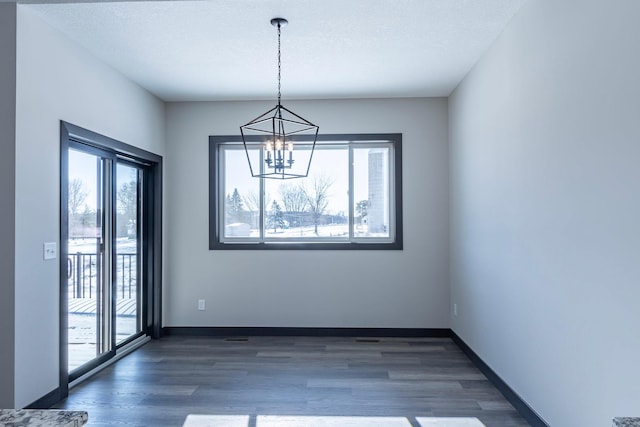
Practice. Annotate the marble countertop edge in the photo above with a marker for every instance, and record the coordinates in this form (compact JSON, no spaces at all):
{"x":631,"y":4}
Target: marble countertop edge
{"x":42,"y":418}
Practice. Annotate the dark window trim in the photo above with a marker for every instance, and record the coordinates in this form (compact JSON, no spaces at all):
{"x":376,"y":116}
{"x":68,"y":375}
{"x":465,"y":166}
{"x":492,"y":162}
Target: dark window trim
{"x":214,"y":221}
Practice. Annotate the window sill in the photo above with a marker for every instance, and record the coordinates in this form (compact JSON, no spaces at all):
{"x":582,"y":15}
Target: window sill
{"x":288,"y":246}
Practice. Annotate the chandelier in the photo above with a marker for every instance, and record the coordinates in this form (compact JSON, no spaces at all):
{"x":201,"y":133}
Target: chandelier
{"x":286,"y":140}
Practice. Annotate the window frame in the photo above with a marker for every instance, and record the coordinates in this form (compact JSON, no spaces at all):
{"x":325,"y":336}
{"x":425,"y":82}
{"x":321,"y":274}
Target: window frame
{"x":216,"y":206}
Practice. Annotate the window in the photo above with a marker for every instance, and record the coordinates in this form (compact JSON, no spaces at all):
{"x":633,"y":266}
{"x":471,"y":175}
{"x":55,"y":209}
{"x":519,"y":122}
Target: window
{"x":352,"y":198}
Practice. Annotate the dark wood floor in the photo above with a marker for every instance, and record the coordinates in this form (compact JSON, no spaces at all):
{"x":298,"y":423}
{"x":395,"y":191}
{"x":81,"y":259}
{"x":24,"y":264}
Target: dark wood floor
{"x":168,"y":379}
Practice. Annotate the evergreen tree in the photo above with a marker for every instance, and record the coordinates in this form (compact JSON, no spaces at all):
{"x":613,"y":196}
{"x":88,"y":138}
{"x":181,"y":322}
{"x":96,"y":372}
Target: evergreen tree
{"x":235,"y":207}
{"x":276,"y":217}
{"x":361,"y":209}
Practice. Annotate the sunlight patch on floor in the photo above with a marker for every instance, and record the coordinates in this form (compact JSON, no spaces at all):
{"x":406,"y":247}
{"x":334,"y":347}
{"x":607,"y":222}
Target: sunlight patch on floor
{"x":304,"y":421}
{"x":216,"y":421}
{"x":323,"y":421}
{"x":449,"y":422}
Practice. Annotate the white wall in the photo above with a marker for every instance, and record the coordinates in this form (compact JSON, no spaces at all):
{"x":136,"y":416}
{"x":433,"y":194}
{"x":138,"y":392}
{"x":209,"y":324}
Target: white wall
{"x":7,"y":198}
{"x":545,"y":154}
{"x":395,"y":289}
{"x":57,"y":80}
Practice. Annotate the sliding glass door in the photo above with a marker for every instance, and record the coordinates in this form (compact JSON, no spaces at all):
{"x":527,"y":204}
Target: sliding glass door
{"x":88,"y":270}
{"x":110,"y":250}
{"x":128,"y":292}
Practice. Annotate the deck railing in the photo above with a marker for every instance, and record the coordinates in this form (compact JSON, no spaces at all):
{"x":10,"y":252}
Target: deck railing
{"x":82,"y":275}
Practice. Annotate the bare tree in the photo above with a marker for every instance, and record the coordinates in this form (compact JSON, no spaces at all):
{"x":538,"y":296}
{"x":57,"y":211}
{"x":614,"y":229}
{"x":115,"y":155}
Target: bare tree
{"x":252,"y":203}
{"x":317,"y":195}
{"x":128,"y":199}
{"x":77,"y":196}
{"x":293,"y":198}
{"x":294,"y":201}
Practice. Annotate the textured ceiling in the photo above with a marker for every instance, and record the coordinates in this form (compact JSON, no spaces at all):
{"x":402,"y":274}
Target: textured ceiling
{"x":226,"y":49}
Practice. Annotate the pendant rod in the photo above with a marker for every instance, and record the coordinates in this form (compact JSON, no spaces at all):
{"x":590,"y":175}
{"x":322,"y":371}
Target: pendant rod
{"x":279,"y":22}
{"x":279,"y":67}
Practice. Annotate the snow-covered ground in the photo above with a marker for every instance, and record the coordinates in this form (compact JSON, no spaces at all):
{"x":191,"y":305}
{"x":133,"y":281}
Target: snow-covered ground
{"x":333,"y":230}
{"x":83,"y":337}
{"x":88,"y":246}
{"x":324,"y":231}
{"x":82,"y":323}
{"x":82,"y":262}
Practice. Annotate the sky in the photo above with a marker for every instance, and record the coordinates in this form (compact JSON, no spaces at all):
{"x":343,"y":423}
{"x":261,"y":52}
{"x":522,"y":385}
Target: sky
{"x":83,"y":166}
{"x":325,"y":162}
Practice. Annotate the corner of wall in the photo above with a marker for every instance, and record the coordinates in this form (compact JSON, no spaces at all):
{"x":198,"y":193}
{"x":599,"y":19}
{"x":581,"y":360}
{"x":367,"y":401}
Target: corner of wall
{"x":7,"y":207}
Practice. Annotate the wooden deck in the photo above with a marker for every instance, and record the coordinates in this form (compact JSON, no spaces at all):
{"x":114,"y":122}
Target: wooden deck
{"x":82,"y":336}
{"x":124,"y":307}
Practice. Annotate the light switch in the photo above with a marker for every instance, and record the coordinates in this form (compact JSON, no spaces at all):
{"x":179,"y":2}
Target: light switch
{"x":50,"y":250}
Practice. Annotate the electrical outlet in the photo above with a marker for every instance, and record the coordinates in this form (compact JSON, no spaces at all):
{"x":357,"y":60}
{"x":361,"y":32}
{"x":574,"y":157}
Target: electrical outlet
{"x":50,"y":250}
{"x":455,"y":309}
{"x":200,"y":304}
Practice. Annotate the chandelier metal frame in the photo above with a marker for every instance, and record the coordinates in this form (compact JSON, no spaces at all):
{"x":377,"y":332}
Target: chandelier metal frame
{"x":279,"y":130}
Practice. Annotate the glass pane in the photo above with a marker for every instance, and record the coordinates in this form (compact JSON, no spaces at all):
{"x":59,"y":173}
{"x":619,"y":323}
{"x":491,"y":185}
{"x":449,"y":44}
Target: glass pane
{"x":83,"y":273}
{"x":241,"y":207}
{"x":371,"y":192}
{"x":313,"y":207}
{"x":127,"y":291}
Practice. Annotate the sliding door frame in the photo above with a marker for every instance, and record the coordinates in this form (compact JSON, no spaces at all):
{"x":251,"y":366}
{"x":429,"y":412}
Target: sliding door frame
{"x":151,"y":265}
{"x":142,"y":171}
